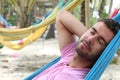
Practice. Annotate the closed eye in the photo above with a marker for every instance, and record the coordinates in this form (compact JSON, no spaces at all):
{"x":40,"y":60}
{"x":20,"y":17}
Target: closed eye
{"x":92,"y":31}
{"x":101,"y":41}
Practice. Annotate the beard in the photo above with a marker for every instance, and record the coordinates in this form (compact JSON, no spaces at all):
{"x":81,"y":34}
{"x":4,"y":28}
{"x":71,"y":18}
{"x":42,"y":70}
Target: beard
{"x":90,"y":56}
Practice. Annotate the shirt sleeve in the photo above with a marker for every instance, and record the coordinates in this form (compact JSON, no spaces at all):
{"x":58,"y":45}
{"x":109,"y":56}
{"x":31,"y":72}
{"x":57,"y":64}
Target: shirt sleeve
{"x":68,"y":50}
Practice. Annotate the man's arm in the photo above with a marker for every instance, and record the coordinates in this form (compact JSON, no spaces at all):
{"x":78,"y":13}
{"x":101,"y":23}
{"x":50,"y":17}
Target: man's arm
{"x":67,"y":26}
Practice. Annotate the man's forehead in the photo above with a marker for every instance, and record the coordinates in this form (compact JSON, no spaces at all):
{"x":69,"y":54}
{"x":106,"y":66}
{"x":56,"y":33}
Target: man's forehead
{"x":100,"y":26}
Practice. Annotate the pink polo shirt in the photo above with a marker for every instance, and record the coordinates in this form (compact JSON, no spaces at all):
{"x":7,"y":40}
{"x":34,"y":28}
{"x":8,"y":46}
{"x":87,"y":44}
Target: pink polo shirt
{"x":60,"y":71}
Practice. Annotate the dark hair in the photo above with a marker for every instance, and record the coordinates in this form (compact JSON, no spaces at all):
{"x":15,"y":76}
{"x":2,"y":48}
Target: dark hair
{"x":113,"y":25}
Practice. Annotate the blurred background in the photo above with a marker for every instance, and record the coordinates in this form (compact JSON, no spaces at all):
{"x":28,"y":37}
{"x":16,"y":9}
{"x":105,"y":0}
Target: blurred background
{"x":24,"y":13}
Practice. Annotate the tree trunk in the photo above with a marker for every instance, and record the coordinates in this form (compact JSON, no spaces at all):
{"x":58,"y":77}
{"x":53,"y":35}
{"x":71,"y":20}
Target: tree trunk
{"x":110,"y":7}
{"x":87,"y":13}
{"x":51,"y":32}
{"x":0,"y":6}
{"x":24,"y":9}
{"x":94,"y":3}
{"x":82,"y":13}
{"x":101,"y":9}
{"x":24,"y":20}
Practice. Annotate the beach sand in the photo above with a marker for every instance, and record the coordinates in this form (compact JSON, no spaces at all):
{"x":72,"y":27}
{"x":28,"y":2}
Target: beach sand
{"x":17,"y":64}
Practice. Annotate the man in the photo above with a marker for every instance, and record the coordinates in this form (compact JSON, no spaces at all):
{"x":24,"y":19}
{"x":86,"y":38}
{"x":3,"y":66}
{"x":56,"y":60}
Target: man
{"x":2,"y":25}
{"x":78,"y":57}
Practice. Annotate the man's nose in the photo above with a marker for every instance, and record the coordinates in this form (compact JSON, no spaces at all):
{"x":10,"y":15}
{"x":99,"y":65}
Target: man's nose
{"x":92,"y":39}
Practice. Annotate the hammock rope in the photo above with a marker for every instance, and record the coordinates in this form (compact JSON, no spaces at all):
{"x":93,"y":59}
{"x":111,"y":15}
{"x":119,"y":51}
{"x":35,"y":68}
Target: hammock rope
{"x":33,"y":32}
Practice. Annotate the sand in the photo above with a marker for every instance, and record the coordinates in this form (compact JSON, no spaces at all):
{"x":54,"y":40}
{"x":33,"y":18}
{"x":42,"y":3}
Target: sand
{"x":17,"y":64}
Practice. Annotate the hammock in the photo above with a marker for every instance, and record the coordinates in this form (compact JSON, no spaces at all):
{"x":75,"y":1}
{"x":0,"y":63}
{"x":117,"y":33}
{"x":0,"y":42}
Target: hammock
{"x":104,"y":59}
{"x":7,"y":25}
{"x":33,"y":32}
{"x":100,"y":65}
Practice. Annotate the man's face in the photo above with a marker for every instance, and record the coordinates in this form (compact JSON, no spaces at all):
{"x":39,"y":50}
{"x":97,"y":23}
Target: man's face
{"x":94,"y":41}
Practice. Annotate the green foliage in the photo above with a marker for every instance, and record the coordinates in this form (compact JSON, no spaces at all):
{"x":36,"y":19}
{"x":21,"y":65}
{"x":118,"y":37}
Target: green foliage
{"x":114,"y":60}
{"x":12,"y":19}
{"x":7,"y":10}
{"x":5,"y":7}
{"x":104,"y":15}
{"x":92,"y":21}
{"x":94,"y":8}
{"x":76,"y":12}
{"x":1,"y":45}
{"x":118,"y":52}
